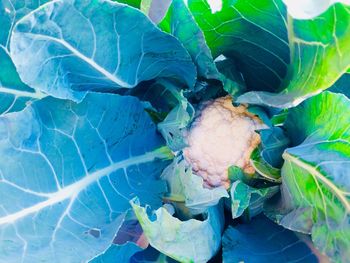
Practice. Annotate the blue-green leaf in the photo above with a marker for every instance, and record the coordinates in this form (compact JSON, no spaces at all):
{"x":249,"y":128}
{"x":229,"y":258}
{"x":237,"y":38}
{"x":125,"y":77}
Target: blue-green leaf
{"x":169,"y":108}
{"x":169,"y":95}
{"x":10,"y":12}
{"x":315,"y":175}
{"x":185,"y":241}
{"x":67,"y":173}
{"x":342,"y":85}
{"x":117,"y":47}
{"x":267,"y":158}
{"x":14,"y":94}
{"x":151,"y":255}
{"x":262,"y":241}
{"x":273,"y":142}
{"x":122,"y":253}
{"x":127,"y":242}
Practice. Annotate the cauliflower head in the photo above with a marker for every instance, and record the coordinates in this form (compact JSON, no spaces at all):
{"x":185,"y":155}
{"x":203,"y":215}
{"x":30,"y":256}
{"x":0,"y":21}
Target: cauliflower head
{"x":220,"y":136}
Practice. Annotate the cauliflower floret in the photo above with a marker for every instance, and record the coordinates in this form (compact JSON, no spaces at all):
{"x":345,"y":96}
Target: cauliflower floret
{"x":220,"y":136}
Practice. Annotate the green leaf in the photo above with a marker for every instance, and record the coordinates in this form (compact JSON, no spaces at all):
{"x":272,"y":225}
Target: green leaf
{"x":248,"y":192}
{"x":169,"y":95}
{"x":184,"y":186}
{"x":169,"y":109}
{"x":174,"y":126}
{"x":321,"y":118}
{"x":273,"y":142}
{"x":185,"y":241}
{"x":267,"y":158}
{"x":284,"y":60}
{"x":233,"y":81}
{"x":261,"y":113}
{"x":180,"y":22}
{"x":263,"y":241}
{"x":251,"y":33}
{"x":320,"y":54}
{"x":315,"y":175}
{"x":110,"y":55}
{"x":279,"y":118}
{"x":133,"y":3}
{"x":243,"y":196}
{"x":263,"y":168}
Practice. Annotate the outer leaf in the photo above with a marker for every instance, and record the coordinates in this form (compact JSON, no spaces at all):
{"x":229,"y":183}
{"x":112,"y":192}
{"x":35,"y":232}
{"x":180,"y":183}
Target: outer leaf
{"x":262,"y":241}
{"x":67,"y":172}
{"x":188,"y":241}
{"x":320,"y":54}
{"x":310,"y":8}
{"x":252,"y":33}
{"x":127,"y":242}
{"x":184,"y":186}
{"x":315,"y":176}
{"x":305,"y":49}
{"x":109,"y":55}
{"x":14,"y":94}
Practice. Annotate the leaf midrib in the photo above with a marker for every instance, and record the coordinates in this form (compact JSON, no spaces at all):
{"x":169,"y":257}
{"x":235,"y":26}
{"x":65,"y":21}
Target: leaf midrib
{"x":73,"y":190}
{"x":320,"y":177}
{"x":20,"y":93}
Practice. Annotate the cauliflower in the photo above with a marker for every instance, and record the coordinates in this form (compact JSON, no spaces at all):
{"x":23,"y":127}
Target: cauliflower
{"x":220,"y":136}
